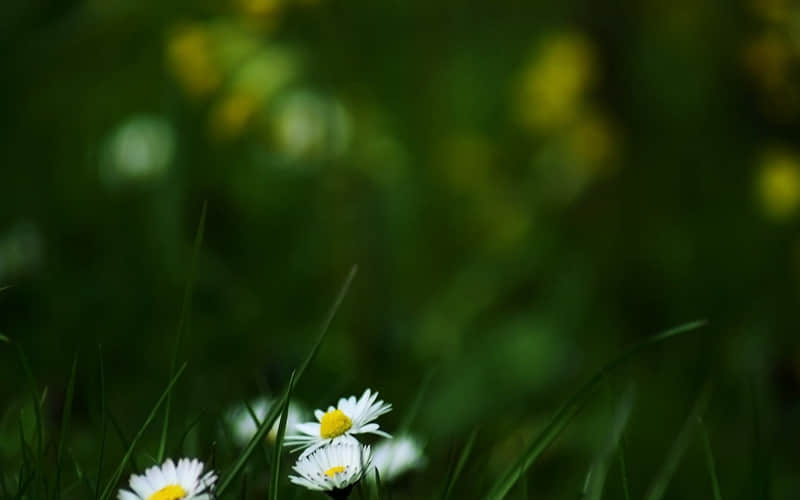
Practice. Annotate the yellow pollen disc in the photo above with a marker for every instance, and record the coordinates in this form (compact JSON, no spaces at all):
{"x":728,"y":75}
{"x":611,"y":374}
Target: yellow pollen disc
{"x":334,"y":470}
{"x":171,"y":492}
{"x":334,"y":423}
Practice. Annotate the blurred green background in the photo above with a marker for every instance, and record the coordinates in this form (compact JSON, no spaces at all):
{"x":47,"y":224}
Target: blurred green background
{"x":527,"y":188}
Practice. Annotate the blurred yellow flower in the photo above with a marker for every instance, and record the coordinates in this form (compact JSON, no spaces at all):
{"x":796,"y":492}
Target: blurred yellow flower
{"x":189,"y":58}
{"x":592,"y":141}
{"x":553,"y":83}
{"x":260,"y":8}
{"x":772,"y":10}
{"x":768,"y":59}
{"x":230,"y":116}
{"x":779,"y":184}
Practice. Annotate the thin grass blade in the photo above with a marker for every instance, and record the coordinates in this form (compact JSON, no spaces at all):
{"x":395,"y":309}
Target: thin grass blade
{"x":101,"y":453}
{"x":660,"y":483}
{"x":276,"y":467}
{"x":65,"y":425}
{"x":712,"y":468}
{"x":623,"y":469}
{"x":118,"y":472}
{"x":565,"y":414}
{"x":186,"y":307}
{"x":594,"y":490}
{"x":272,"y":414}
{"x":462,"y":461}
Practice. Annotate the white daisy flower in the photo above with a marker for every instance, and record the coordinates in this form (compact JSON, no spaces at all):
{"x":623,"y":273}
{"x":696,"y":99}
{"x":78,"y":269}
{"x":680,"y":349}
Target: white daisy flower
{"x":397,"y":456}
{"x":168,"y":482}
{"x":243,"y":427}
{"x":351,"y":416}
{"x":334,"y":468}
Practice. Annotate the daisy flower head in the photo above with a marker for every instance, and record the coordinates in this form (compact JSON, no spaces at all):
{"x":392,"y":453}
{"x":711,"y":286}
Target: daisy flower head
{"x":242,"y":427}
{"x":185,"y":481}
{"x":349,"y":417}
{"x":334,"y":468}
{"x":395,"y":457}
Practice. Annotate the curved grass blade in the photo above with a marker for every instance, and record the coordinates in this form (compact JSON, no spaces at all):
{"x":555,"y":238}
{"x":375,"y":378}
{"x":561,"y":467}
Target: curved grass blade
{"x":462,"y":461}
{"x":101,"y":454}
{"x":565,"y":414}
{"x":662,"y":479}
{"x":186,"y":307}
{"x":272,"y":414}
{"x":118,"y":472}
{"x":276,"y":468}
{"x":712,"y":468}
{"x":623,"y":469}
{"x":65,"y":425}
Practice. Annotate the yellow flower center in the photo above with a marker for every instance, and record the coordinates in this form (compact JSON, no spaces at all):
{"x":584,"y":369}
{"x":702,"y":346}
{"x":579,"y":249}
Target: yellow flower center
{"x":334,"y":423}
{"x":171,"y":492}
{"x":334,"y":470}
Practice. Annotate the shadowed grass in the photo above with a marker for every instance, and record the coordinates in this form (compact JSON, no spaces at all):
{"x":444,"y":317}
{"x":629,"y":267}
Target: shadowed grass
{"x":662,"y":479}
{"x":269,"y":420}
{"x":186,"y":306}
{"x":565,"y":414}
{"x":712,"y":468}
{"x":462,"y":461}
{"x":276,"y":462}
{"x":118,"y":472}
{"x":599,"y":469}
{"x":65,"y":417}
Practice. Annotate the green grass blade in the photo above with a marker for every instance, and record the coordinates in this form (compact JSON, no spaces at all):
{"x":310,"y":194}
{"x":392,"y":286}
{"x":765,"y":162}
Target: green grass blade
{"x":118,"y":472}
{"x":623,"y":469}
{"x":599,"y":470}
{"x":327,"y":323}
{"x":712,"y":468}
{"x":462,"y":461}
{"x":186,"y":307}
{"x":565,"y":414}
{"x":103,"y":430}
{"x":257,"y":423}
{"x":276,"y":462}
{"x":378,"y":488}
{"x":659,"y":485}
{"x":413,"y":410}
{"x":272,"y":415}
{"x":760,"y":465}
{"x":5,"y":339}
{"x":65,"y":425}
{"x":36,"y":400}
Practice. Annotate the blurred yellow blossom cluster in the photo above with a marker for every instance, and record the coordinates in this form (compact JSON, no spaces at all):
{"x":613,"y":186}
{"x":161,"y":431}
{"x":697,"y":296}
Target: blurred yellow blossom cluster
{"x":253,"y":85}
{"x":778,"y":184}
{"x":772,"y":57}
{"x":575,"y":140}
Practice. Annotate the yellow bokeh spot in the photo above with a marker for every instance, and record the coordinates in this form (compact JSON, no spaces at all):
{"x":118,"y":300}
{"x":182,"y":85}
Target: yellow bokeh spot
{"x":553,"y":83}
{"x":593,"y":142}
{"x":334,"y":470}
{"x":171,"y":492}
{"x":779,"y":185}
{"x":768,"y":58}
{"x":334,"y":423}
{"x":189,"y":57}
{"x":231,"y":115}
{"x":773,"y":10}
{"x":260,"y":8}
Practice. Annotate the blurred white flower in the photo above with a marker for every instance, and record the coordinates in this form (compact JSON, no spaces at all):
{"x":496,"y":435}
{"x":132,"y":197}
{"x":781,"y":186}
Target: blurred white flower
{"x":140,"y":148}
{"x":243,"y":427}
{"x":395,"y":457}
{"x":332,"y":468}
{"x":168,"y":482}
